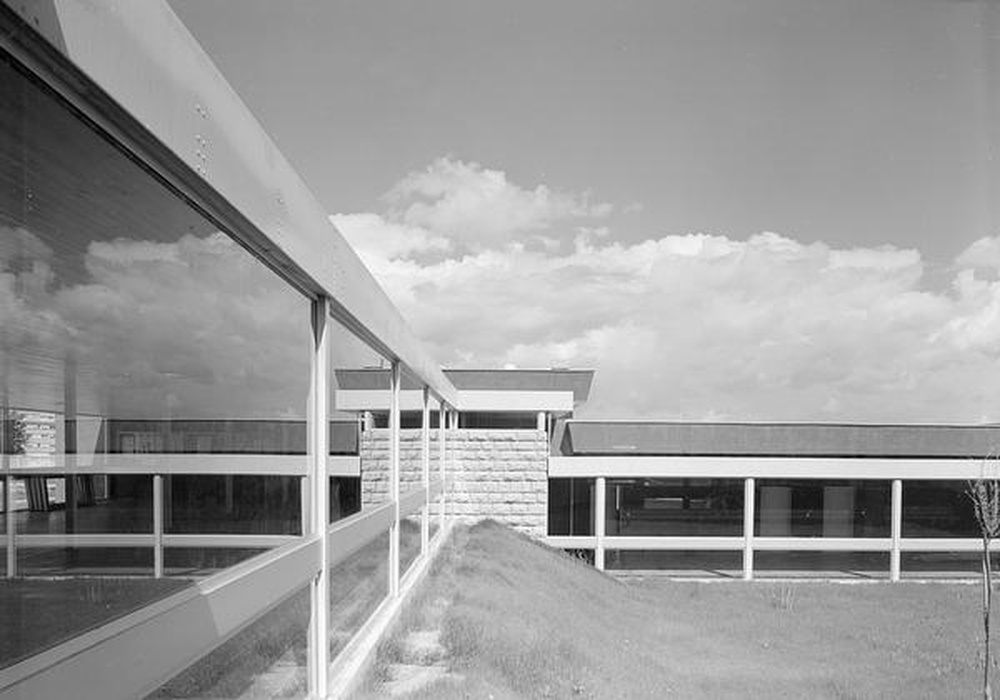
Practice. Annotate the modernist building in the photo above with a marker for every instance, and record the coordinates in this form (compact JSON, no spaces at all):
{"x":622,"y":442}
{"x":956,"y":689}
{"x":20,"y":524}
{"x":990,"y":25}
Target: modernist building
{"x":215,"y":426}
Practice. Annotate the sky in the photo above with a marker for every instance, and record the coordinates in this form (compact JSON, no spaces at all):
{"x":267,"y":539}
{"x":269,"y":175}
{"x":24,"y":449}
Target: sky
{"x":778,"y":210}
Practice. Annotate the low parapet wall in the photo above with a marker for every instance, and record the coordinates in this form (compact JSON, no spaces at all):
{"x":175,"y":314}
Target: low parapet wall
{"x":498,"y":474}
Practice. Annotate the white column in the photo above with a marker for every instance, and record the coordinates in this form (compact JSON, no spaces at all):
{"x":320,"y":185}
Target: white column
{"x":600,"y":515}
{"x":157,"y":526}
{"x":318,"y":492}
{"x":8,"y":505}
{"x":394,"y":383}
{"x":540,"y":421}
{"x":443,"y":456}
{"x":425,"y":463}
{"x":8,"y":488}
{"x":748,"y":518}
{"x":897,"y":529}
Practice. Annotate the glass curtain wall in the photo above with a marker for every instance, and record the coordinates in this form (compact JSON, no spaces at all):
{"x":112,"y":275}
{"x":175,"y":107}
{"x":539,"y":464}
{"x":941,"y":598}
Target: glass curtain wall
{"x":823,"y":508}
{"x":938,"y":509}
{"x":359,"y":579}
{"x":145,"y":360}
{"x":571,"y":507}
{"x":674,"y":507}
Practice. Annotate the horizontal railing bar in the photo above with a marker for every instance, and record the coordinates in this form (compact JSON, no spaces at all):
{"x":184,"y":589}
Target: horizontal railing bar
{"x":823,"y":544}
{"x":860,"y":468}
{"x":945,"y":544}
{"x":229,"y":540}
{"x":681,"y":543}
{"x":571,"y":541}
{"x":170,"y":463}
{"x":139,"y":651}
{"x":412,"y":501}
{"x":678,"y":543}
{"x":347,"y":536}
{"x":118,"y":540}
{"x":104,"y":539}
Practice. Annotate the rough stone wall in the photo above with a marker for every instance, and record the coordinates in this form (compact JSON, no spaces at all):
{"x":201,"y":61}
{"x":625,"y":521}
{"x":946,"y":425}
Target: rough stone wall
{"x":499,"y":474}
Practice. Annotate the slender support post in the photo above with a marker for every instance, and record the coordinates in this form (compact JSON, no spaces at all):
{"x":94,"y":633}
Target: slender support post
{"x":8,"y":505}
{"x":441,"y":464}
{"x":540,"y":421}
{"x":72,"y":497}
{"x":316,"y":495}
{"x":425,"y":463}
{"x":749,"y":508}
{"x":897,"y":529}
{"x":453,"y":445}
{"x":157,"y":526}
{"x":6,"y":447}
{"x":394,"y":479}
{"x":71,"y":480}
{"x":600,"y":518}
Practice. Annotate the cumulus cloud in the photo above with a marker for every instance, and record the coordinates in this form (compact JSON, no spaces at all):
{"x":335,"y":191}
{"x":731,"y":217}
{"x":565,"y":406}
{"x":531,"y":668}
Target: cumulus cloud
{"x":478,"y":206}
{"x":373,"y":237}
{"x":193,"y":328}
{"x":984,"y":253}
{"x":701,"y":325}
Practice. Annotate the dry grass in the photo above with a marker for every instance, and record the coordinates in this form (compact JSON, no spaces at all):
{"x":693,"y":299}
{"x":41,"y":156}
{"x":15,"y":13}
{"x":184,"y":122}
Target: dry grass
{"x":522,"y":620}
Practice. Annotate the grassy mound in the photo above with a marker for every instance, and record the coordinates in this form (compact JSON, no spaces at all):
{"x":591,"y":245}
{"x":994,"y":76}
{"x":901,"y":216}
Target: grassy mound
{"x":517,"y":619}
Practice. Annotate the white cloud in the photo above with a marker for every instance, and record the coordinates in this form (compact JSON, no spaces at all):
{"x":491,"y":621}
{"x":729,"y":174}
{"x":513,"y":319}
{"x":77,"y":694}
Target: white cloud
{"x":374,"y":237}
{"x":194,"y":328}
{"x":984,"y":253}
{"x":479,"y":206}
{"x":702,"y":325}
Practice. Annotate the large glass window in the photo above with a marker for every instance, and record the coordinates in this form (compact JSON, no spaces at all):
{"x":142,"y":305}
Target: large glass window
{"x":822,"y":508}
{"x":937,"y":509}
{"x":667,"y":507}
{"x":267,"y":659}
{"x":571,"y":507}
{"x":133,"y":334}
{"x":358,"y":483}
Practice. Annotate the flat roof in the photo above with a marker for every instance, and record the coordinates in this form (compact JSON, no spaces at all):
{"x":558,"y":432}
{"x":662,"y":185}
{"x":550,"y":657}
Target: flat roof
{"x":576,"y":380}
{"x":779,"y":439}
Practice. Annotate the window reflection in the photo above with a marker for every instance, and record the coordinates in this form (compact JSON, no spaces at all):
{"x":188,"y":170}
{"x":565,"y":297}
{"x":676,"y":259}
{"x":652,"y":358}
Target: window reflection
{"x":133,"y":333}
{"x":674,"y":507}
{"x":822,"y":508}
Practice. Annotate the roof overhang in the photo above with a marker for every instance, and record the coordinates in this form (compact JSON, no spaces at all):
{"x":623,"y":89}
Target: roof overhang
{"x":488,"y":401}
{"x":812,"y":440}
{"x":555,"y":390}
